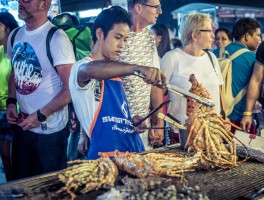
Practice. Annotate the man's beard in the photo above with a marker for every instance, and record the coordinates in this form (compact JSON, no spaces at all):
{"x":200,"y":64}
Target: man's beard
{"x":24,"y":16}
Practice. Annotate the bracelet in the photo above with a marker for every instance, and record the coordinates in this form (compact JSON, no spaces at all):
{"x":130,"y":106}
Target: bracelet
{"x":11,"y":100}
{"x":247,"y":113}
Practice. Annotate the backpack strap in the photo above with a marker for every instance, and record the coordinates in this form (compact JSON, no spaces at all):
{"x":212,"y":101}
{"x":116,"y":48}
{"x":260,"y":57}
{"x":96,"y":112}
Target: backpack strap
{"x":222,"y":103}
{"x":223,"y":53}
{"x":74,"y":38}
{"x":13,"y":36}
{"x":48,"y":41}
{"x":210,"y":57}
{"x":222,"y":112}
{"x":238,"y":53}
{"x":240,"y":95}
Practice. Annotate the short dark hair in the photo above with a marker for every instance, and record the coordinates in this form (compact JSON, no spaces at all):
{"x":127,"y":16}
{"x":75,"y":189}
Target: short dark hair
{"x":132,"y":3}
{"x":8,"y":20}
{"x":228,"y":33}
{"x":108,"y":18}
{"x":164,"y":46}
{"x":243,"y":26}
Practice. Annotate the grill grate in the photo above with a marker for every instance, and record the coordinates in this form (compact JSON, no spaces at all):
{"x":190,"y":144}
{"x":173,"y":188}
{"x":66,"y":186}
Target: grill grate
{"x":226,"y":184}
{"x":236,"y":183}
{"x":230,"y":184}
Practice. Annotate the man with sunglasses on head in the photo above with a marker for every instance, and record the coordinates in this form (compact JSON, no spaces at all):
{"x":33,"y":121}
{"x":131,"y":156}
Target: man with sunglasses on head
{"x":141,"y":49}
{"x":41,"y":90}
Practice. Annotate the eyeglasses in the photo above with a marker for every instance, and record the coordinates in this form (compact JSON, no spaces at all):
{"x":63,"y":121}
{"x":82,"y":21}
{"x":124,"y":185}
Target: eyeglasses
{"x":207,"y":30}
{"x":157,"y":7}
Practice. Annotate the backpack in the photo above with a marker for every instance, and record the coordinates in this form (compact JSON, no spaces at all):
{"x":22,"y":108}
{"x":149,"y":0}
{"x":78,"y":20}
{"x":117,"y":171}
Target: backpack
{"x":225,"y":64}
{"x":80,"y":38}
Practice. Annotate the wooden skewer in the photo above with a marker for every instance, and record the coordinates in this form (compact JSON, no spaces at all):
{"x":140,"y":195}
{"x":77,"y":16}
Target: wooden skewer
{"x":237,"y":127}
{"x":165,"y":118}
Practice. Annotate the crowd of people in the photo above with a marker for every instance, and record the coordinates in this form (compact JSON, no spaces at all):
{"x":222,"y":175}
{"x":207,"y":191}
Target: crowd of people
{"x":42,"y":73}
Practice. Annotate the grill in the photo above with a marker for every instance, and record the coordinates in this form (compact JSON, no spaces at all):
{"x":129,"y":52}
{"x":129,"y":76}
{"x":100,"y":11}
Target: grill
{"x":237,"y":183}
{"x":231,"y":184}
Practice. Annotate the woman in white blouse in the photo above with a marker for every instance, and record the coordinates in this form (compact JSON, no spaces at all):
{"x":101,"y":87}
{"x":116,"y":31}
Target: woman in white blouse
{"x":178,"y":64}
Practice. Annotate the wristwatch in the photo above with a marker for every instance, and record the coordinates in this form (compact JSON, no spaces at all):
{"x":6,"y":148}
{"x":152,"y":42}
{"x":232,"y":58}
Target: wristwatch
{"x":41,"y":117}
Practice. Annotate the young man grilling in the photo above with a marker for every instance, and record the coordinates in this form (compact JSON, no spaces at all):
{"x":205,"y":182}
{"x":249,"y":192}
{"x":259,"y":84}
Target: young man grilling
{"x":97,"y":91}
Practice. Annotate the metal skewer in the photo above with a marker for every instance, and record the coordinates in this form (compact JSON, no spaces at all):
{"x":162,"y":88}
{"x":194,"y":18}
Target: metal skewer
{"x":182,"y":92}
{"x":171,"y":121}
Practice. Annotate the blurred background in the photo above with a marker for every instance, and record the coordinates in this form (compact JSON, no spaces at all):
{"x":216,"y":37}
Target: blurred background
{"x":223,"y":12}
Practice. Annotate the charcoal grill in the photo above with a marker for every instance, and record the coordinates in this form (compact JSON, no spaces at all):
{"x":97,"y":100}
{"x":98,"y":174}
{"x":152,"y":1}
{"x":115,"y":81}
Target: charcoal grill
{"x":236,"y":183}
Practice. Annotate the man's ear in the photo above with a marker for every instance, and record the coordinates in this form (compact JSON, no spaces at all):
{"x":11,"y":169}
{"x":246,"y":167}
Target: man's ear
{"x":138,"y":8}
{"x":246,"y":37}
{"x":7,"y":30}
{"x":44,"y":5}
{"x":99,"y":34}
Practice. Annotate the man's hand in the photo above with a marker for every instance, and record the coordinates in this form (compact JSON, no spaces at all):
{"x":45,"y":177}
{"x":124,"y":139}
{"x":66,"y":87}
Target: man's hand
{"x":82,"y":145}
{"x":11,"y":114}
{"x":154,"y":76}
{"x":156,"y":136}
{"x":74,"y":122}
{"x":141,"y":127}
{"x":30,"y":122}
{"x":246,"y":123}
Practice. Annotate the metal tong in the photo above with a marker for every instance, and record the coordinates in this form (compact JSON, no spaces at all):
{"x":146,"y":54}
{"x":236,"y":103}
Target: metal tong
{"x":182,"y":92}
{"x":152,"y":112}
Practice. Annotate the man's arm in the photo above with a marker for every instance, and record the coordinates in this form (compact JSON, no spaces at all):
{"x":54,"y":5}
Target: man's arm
{"x":59,"y":101}
{"x":11,"y":112}
{"x":156,"y":98}
{"x":63,"y":97}
{"x":253,"y":94}
{"x":107,"y":69}
{"x":83,"y":143}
